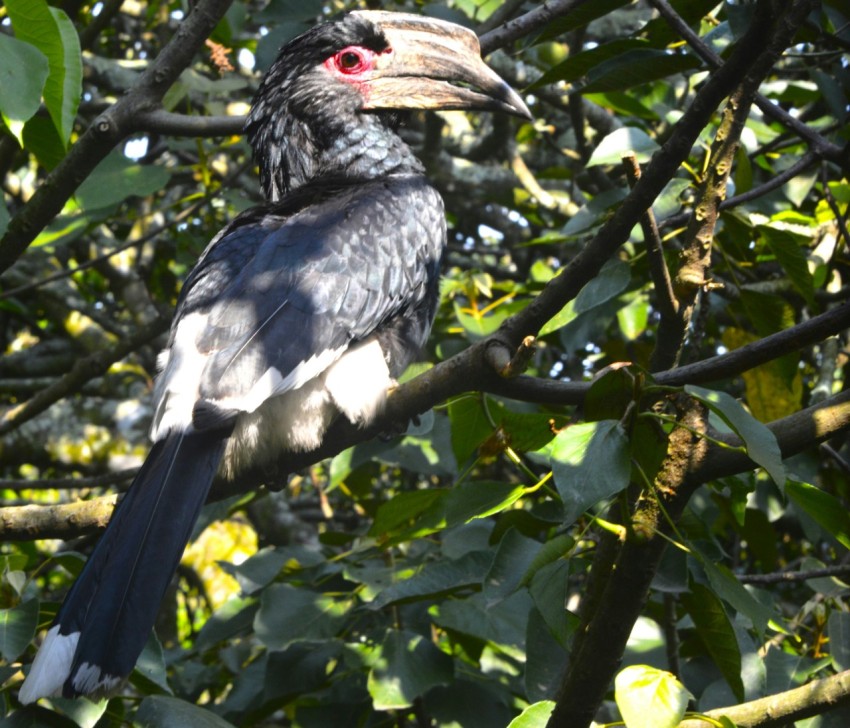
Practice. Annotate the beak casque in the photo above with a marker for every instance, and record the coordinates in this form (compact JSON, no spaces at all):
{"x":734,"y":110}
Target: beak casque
{"x":434,"y":64}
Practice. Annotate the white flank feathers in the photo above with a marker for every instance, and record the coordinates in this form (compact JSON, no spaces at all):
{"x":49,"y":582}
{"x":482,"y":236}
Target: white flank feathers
{"x":51,"y":666}
{"x":358,"y":382}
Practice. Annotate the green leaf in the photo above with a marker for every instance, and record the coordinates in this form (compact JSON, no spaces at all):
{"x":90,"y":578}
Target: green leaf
{"x":727,"y":587}
{"x":789,"y":250}
{"x":52,"y":32}
{"x":23,"y":72}
{"x":580,"y":16}
{"x":650,"y":698}
{"x":301,"y":668}
{"x":612,"y":280}
{"x":502,"y":623}
{"x":838,"y":629}
{"x":549,"y":591}
{"x":408,"y":667}
{"x":595,"y":212}
{"x":626,"y":140}
{"x":758,"y":439}
{"x":463,"y":503}
{"x":290,"y":615}
{"x":234,"y":617}
{"x":717,"y":634}
{"x":590,"y":462}
{"x":581,"y":64}
{"x":513,"y":558}
{"x":534,"y":716}
{"x":150,"y":667}
{"x":438,"y":578}
{"x":17,"y":628}
{"x":159,"y":711}
{"x":116,"y":178}
{"x":402,"y":510}
{"x":470,"y":426}
{"x":824,"y":508}
{"x":636,"y":68}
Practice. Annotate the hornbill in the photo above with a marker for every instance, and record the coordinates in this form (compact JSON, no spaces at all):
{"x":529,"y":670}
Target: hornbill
{"x":301,"y":309}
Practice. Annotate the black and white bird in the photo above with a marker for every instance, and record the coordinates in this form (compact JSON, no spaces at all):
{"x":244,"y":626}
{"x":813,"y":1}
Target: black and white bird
{"x":303,"y":308}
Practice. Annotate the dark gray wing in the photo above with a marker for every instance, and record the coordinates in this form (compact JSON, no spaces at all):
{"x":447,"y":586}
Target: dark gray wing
{"x":312,"y":283}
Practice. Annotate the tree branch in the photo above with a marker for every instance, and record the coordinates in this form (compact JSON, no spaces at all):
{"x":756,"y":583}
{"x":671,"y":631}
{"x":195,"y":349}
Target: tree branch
{"x":110,"y":128}
{"x":527,"y":24}
{"x":83,"y":370}
{"x":782,"y":709}
{"x":823,"y":146}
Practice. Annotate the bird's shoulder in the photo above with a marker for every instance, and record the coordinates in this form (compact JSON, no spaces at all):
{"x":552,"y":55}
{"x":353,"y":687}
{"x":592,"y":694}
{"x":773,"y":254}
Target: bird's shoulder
{"x":385,"y":222}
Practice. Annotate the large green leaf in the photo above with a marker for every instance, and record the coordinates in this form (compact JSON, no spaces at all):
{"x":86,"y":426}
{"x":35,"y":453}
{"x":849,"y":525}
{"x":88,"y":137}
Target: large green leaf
{"x":408,"y":667}
{"x":17,"y":628}
{"x":402,"y":510}
{"x":838,"y":629}
{"x":650,"y":698}
{"x":717,"y":634}
{"x":727,"y":587}
{"x":581,"y":64}
{"x":23,"y":72}
{"x":590,"y":462}
{"x":760,"y":442}
{"x":470,"y":426}
{"x":52,"y":32}
{"x":290,"y":615}
{"x":824,"y":508}
{"x":160,"y":711}
{"x":514,"y":556}
{"x":637,"y":67}
{"x":789,"y":249}
{"x":503,"y":623}
{"x":460,"y":504}
{"x":117,"y":178}
{"x":437,"y":579}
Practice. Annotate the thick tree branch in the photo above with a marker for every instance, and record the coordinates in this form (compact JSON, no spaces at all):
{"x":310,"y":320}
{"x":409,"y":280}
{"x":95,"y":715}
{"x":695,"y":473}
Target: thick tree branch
{"x":783,"y":709}
{"x":527,"y":24}
{"x":693,"y":275}
{"x":65,"y":521}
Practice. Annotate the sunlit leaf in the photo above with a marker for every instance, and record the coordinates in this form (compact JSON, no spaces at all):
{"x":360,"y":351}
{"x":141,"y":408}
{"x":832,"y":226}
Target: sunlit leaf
{"x":650,"y":698}
{"x":23,"y":72}
{"x":627,"y":140}
{"x":590,"y":462}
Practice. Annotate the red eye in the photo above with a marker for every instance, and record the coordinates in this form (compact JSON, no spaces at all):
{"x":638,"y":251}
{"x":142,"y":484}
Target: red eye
{"x":352,"y":60}
{"x":349,"y":60}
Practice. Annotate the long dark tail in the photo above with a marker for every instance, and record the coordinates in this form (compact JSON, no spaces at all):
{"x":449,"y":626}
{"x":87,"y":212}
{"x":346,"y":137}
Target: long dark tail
{"x":107,"y":616}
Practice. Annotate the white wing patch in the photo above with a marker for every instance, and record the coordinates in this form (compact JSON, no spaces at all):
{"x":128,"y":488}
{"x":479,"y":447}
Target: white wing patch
{"x":358,"y":382}
{"x":51,"y":666}
{"x":273,"y":383}
{"x":179,"y":382}
{"x":355,"y":384}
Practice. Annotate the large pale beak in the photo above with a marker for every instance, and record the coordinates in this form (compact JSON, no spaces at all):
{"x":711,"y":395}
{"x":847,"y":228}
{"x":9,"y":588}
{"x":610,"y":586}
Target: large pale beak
{"x":434,"y":64}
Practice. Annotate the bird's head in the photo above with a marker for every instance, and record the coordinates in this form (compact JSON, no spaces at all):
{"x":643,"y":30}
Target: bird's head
{"x":365,"y":63}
